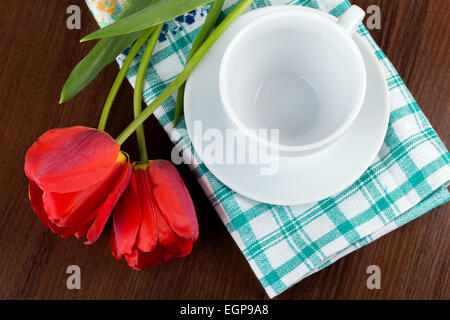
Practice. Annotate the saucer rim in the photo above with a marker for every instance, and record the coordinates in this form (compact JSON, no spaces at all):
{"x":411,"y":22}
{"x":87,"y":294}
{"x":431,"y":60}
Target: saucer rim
{"x":352,"y":177}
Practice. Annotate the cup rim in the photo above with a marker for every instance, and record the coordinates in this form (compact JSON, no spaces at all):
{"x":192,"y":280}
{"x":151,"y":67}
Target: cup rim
{"x":248,"y":131}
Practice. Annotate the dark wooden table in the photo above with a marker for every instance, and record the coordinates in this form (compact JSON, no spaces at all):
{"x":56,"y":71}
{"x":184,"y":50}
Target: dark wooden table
{"x":37,"y":52}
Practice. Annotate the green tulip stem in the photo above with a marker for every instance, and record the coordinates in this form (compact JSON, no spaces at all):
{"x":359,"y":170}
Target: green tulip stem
{"x":138,"y":89}
{"x":188,"y":69}
{"x":121,"y":76}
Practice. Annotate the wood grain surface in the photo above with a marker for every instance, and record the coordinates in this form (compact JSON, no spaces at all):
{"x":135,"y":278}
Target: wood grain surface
{"x":37,"y":52}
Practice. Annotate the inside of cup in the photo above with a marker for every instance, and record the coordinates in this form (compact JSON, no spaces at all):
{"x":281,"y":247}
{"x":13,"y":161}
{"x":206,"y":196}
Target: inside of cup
{"x":298,"y":73}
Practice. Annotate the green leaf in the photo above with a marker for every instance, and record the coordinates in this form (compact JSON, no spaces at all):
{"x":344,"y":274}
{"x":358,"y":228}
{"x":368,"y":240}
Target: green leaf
{"x":105,"y":52}
{"x":156,"y":13}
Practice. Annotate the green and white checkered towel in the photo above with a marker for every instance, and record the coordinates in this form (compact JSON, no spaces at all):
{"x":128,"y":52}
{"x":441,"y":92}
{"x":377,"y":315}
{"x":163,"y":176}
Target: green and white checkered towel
{"x":284,"y":244}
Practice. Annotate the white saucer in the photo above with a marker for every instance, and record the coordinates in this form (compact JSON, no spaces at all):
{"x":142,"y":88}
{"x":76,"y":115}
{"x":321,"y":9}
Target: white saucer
{"x":300,"y":180}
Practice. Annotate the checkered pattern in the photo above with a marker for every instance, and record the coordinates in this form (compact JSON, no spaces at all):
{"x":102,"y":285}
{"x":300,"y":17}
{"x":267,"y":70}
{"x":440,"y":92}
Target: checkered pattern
{"x":283,"y":244}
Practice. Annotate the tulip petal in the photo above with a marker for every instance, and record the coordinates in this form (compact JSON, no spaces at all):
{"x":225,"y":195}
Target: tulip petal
{"x":112,"y":242}
{"x":127,"y":219}
{"x":104,"y":211}
{"x":70,"y":159}
{"x":65,"y":209}
{"x":83,"y":229}
{"x":140,"y":260}
{"x":166,"y":237}
{"x":132,"y":259}
{"x":173,"y":199}
{"x":179,"y":249}
{"x":148,"y":233}
{"x":35,"y":194}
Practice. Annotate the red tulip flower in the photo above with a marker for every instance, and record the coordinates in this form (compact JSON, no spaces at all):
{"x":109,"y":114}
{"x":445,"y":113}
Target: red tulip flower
{"x":155,"y":219}
{"x":76,"y":176}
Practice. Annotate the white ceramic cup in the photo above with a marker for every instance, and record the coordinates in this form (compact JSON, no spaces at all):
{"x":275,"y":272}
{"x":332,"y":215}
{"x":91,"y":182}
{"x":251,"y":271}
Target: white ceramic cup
{"x":298,"y":71}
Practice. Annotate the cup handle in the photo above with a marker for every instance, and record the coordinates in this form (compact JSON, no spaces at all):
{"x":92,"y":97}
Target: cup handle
{"x":351,"y":19}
